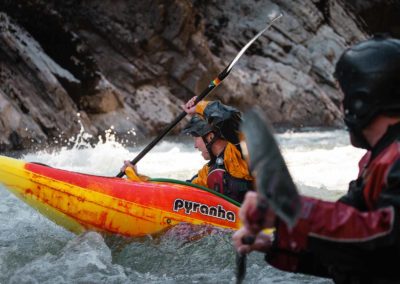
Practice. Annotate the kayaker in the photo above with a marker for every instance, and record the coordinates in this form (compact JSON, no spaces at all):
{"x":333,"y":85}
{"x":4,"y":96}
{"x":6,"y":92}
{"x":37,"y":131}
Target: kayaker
{"x":225,"y":118}
{"x":215,"y":128}
{"x":226,"y":172}
{"x":357,"y":238}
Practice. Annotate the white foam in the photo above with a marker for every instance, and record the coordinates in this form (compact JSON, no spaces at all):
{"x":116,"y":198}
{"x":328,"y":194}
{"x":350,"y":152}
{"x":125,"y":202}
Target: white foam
{"x":318,"y":159}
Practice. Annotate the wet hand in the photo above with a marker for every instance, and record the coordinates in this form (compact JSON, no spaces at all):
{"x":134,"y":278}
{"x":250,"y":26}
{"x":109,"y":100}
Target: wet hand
{"x":262,"y":242}
{"x":253,"y":218}
{"x":128,"y":164}
{"x":190,"y":107}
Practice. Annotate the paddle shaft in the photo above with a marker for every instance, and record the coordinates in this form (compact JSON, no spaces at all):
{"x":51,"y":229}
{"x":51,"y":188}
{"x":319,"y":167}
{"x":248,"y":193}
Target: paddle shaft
{"x":214,"y":83}
{"x":258,"y":216}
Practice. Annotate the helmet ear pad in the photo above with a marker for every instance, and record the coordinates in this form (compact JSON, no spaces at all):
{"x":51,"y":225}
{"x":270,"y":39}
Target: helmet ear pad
{"x":359,"y":109}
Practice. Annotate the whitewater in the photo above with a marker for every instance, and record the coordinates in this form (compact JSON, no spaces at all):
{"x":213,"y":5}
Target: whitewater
{"x":35,"y":250}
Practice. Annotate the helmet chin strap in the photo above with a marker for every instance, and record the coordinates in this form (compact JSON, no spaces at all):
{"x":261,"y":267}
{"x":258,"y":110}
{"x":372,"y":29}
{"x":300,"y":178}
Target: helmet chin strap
{"x":209,"y":146}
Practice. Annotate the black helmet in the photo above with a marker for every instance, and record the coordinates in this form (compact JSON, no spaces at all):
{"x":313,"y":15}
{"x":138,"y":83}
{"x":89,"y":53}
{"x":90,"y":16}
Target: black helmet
{"x":197,"y":127}
{"x":224,"y":119}
{"x":369,"y":76}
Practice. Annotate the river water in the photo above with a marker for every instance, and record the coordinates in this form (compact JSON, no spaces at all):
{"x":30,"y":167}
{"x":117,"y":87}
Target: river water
{"x":34,"y":250}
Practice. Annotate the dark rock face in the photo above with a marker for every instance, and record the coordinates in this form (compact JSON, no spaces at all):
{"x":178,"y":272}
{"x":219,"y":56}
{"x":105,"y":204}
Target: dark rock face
{"x":130,"y":64}
{"x":378,"y":16}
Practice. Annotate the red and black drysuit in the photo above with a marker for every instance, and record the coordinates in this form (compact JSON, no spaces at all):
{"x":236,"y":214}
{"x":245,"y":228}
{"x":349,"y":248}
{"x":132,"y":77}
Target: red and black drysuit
{"x":356,"y":239}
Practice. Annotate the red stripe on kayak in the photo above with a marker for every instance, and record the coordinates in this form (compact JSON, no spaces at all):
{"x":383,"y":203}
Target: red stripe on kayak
{"x":156,"y":195}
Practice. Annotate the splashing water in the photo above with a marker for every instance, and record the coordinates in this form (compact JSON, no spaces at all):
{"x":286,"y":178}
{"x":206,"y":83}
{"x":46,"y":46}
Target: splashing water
{"x":34,"y":250}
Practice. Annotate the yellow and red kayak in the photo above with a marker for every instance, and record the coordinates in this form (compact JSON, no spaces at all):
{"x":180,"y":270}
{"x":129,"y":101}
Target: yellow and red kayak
{"x":81,"y":202}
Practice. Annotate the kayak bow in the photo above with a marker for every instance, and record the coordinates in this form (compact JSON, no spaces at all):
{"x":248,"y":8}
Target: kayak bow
{"x":81,"y":202}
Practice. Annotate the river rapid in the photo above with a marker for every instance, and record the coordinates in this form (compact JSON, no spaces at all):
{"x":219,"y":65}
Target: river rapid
{"x":35,"y":250}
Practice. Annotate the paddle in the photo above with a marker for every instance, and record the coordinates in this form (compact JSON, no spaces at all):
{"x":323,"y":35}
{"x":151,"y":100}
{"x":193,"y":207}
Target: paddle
{"x":276,"y":189}
{"x":214,"y":83}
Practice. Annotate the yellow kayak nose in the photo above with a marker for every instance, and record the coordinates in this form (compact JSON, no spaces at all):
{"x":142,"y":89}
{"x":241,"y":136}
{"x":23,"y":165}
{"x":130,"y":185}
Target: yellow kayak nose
{"x":81,"y":202}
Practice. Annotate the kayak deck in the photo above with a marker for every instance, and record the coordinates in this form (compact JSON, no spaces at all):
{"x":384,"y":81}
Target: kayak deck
{"x":81,"y":202}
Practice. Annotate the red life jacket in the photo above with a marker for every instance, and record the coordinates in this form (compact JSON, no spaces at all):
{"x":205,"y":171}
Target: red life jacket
{"x":221,"y":181}
{"x":215,"y":180}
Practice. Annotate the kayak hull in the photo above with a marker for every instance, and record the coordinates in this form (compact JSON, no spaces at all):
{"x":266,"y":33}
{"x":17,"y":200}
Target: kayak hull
{"x":81,"y":202}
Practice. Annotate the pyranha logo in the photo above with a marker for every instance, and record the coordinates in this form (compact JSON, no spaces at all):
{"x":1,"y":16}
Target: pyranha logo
{"x":191,"y":206}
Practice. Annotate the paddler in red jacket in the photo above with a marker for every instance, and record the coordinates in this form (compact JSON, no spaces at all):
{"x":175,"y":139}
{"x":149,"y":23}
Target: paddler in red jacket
{"x":215,"y":129}
{"x":357,"y":238}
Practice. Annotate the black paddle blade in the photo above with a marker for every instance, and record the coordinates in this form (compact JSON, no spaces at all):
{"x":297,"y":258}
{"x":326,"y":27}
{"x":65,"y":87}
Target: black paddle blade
{"x":267,"y":165}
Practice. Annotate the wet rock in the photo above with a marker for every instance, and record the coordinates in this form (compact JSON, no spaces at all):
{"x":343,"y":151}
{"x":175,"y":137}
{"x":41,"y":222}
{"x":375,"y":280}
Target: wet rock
{"x":106,"y":99}
{"x":377,"y":16}
{"x":130,"y":64}
{"x":156,"y":106}
{"x":35,"y":105}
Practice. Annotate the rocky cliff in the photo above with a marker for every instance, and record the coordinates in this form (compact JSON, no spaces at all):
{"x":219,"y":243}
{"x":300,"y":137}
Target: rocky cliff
{"x":128,"y":65}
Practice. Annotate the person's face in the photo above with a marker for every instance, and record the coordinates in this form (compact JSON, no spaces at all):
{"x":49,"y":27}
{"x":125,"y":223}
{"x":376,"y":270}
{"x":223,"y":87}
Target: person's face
{"x":199,"y":144}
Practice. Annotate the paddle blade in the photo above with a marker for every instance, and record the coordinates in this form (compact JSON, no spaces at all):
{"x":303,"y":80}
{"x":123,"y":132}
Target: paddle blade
{"x":273,"y":180}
